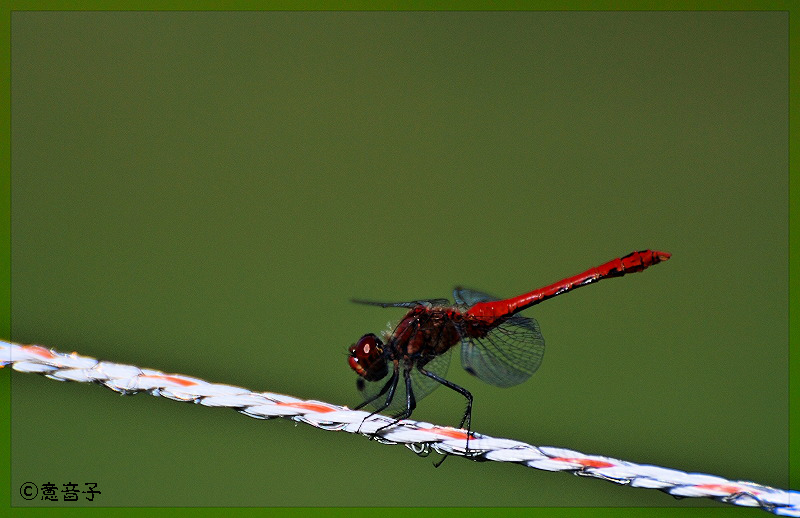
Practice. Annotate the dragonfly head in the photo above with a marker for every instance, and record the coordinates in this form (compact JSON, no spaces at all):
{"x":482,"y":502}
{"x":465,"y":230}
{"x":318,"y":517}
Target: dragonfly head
{"x":367,"y":359}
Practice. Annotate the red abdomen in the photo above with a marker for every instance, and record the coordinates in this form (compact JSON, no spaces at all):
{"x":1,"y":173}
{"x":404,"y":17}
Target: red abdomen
{"x":489,"y":312}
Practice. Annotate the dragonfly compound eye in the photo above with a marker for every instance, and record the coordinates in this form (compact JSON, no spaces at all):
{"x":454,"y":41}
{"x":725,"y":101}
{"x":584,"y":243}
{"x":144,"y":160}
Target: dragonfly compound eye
{"x":366,"y":358}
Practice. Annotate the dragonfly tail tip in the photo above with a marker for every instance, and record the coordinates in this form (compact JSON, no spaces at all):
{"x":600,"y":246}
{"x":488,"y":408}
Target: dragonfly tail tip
{"x":662,"y":256}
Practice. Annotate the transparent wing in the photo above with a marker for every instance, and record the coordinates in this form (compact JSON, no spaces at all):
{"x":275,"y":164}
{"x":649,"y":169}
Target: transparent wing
{"x":420,"y":385}
{"x":409,"y":304}
{"x":468,"y":297}
{"x":510,"y":352}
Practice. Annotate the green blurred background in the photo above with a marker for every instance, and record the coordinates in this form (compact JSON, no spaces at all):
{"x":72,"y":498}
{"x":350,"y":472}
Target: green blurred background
{"x":204,"y":192}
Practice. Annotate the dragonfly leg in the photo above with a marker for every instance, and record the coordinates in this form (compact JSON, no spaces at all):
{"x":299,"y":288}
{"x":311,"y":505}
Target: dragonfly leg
{"x":411,"y":402}
{"x":390,"y":393}
{"x":392,"y":381}
{"x":389,"y":388}
{"x":461,"y":390}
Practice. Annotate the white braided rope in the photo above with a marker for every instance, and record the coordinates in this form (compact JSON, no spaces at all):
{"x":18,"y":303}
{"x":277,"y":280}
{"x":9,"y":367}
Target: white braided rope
{"x":418,"y":436}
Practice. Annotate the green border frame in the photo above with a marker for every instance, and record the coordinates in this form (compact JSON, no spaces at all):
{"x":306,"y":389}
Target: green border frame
{"x":702,"y":5}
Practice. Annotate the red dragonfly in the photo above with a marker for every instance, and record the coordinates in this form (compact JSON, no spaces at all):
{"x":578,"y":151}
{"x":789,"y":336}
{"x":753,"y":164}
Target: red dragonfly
{"x":497,"y":345}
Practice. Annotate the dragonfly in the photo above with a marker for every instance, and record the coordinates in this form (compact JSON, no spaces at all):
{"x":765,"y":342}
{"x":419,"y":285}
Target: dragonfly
{"x":498,"y":345}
